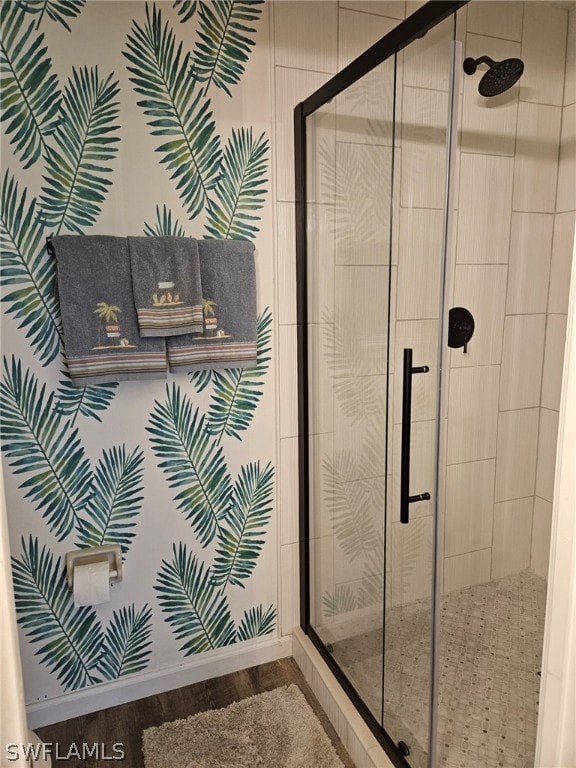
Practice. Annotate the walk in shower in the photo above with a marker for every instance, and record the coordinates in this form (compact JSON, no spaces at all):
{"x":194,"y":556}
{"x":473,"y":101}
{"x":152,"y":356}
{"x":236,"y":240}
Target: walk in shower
{"x":433,"y":224}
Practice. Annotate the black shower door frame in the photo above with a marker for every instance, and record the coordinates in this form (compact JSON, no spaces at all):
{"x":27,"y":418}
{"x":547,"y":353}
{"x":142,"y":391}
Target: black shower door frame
{"x":414,"y":27}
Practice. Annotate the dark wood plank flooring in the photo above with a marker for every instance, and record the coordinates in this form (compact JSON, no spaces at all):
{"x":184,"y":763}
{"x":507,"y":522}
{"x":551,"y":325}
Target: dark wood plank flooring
{"x":125,"y":723}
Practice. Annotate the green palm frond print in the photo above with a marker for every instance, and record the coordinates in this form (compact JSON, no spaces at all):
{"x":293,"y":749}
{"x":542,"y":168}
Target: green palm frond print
{"x":71,"y":638}
{"x":366,"y":592}
{"x":224,"y":45}
{"x":57,"y":10}
{"x":346,"y":363}
{"x":176,"y":108}
{"x":342,"y":600}
{"x":237,"y":391}
{"x":164,"y":226}
{"x":39,"y":442}
{"x":257,"y":622}
{"x":29,"y":92}
{"x":201,"y":379}
{"x":191,"y":458}
{"x":185,"y":8}
{"x":127,"y":643}
{"x":76,"y":179}
{"x":89,"y":401}
{"x":240,"y":191}
{"x":354,"y":506}
{"x":371,"y":587}
{"x":28,"y":271}
{"x":241,"y":536}
{"x":196,"y":610}
{"x":115,"y":500}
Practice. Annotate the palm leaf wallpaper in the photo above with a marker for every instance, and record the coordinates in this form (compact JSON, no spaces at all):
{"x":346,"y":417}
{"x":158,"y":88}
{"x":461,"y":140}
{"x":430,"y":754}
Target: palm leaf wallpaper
{"x":224,"y":41}
{"x":257,"y":622}
{"x":72,"y":642}
{"x":28,"y":271}
{"x":178,"y":111}
{"x":127,"y":642}
{"x":77,"y":170}
{"x":56,"y":10}
{"x":41,"y":444}
{"x":165,"y":470}
{"x":163,"y":226}
{"x":29,"y":97}
{"x":240,"y":535}
{"x":115,"y":499}
{"x":87,"y":401}
{"x":193,"y":461}
{"x":240,"y":188}
{"x":186,"y":8}
{"x":198,"y":613}
{"x":237,"y":391}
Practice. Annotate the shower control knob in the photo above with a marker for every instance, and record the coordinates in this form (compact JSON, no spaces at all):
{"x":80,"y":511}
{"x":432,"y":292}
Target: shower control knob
{"x":460,"y":328}
{"x":466,"y":330}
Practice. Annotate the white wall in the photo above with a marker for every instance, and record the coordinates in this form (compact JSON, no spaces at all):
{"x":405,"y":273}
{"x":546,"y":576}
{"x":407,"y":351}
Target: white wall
{"x":556,"y":744}
{"x":13,"y":727}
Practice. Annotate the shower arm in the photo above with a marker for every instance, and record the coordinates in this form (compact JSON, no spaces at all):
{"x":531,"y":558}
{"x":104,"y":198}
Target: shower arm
{"x":471,"y":65}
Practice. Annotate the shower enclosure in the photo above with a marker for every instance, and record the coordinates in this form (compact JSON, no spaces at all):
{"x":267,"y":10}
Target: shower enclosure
{"x":419,"y":390}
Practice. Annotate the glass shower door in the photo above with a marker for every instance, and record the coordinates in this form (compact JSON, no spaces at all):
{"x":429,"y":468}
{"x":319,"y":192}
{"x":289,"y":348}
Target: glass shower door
{"x":376,"y":220}
{"x":426,"y":100}
{"x":350,"y":174}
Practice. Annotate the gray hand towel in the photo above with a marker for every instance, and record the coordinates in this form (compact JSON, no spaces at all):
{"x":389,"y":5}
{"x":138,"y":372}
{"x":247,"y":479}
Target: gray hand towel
{"x":101,"y":337}
{"x":229,"y":302}
{"x":166,"y":284}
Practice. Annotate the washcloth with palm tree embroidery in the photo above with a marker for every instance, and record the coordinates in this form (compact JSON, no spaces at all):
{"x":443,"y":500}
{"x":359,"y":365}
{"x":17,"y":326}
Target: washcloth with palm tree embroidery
{"x":228,"y":340}
{"x":166,"y":285}
{"x":102,"y":342}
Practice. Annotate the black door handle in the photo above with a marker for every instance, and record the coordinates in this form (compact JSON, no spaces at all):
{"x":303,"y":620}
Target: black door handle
{"x":405,"y":498}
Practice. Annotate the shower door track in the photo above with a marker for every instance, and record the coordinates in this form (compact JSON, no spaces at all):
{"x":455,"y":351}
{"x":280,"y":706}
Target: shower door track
{"x":414,"y":27}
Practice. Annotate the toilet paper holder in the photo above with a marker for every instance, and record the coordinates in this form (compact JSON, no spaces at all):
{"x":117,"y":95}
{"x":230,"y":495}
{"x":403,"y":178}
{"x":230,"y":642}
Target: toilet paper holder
{"x":110,"y":552}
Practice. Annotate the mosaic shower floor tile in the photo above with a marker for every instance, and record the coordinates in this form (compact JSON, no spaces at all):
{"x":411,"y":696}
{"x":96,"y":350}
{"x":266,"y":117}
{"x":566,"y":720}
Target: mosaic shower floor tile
{"x":490,"y":655}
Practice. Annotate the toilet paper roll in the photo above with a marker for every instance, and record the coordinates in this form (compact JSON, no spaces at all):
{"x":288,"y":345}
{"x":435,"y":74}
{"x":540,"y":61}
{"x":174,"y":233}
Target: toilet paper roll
{"x":92,"y":583}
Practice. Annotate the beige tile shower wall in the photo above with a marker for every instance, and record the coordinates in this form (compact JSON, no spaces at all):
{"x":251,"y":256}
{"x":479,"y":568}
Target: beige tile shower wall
{"x":305,"y":56}
{"x":362,"y":177}
{"x":560,"y":269}
{"x":515,"y":229}
{"x":312,"y":40}
{"x":511,"y":268}
{"x":423,"y":83}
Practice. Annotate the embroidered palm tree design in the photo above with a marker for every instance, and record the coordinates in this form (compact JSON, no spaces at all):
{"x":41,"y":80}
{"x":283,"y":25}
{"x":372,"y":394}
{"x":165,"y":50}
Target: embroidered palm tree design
{"x":208,"y":307}
{"x":108,"y":315}
{"x":210,"y":319}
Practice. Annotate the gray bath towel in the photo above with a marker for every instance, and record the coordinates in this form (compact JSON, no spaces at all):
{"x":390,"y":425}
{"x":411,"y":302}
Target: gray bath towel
{"x":166,"y":283}
{"x":229,"y":302}
{"x":101,"y":338}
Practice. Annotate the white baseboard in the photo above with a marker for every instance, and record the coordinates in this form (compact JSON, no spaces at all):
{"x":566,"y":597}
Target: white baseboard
{"x":213,"y":664}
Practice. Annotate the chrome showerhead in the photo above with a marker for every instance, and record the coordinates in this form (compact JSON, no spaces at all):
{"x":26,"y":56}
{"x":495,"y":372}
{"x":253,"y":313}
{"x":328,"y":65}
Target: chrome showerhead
{"x":501,"y":75}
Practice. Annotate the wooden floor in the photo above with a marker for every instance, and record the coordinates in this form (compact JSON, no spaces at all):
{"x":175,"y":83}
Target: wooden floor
{"x":124,"y":724}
